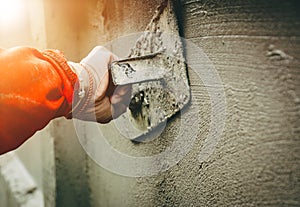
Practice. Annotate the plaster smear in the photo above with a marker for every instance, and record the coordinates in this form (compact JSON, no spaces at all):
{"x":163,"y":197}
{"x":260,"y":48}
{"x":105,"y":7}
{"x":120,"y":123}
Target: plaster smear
{"x":156,"y":101}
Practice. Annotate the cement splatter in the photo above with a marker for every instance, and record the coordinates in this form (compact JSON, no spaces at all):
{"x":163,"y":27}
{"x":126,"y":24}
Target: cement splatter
{"x":276,"y":54}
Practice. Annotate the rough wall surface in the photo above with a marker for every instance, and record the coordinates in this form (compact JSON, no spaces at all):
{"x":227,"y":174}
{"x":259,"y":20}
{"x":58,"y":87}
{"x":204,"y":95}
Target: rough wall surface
{"x":255,"y":47}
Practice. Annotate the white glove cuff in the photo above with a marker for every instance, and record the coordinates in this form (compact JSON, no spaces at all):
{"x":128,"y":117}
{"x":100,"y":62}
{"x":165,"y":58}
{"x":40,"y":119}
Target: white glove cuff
{"x":84,"y":95}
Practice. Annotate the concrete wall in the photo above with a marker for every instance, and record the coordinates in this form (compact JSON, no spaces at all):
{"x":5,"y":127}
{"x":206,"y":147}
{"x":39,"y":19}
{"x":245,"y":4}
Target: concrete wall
{"x":254,"y":46}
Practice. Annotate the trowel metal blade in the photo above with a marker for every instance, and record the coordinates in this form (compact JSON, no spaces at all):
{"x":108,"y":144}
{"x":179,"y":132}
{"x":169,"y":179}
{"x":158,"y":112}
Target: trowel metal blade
{"x":138,"y":69}
{"x":154,"y":102}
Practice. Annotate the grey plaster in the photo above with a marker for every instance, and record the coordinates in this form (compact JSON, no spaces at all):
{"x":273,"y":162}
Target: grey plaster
{"x":256,"y":162}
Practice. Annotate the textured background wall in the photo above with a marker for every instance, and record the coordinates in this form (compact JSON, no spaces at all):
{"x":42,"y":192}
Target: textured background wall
{"x":254,"y":46}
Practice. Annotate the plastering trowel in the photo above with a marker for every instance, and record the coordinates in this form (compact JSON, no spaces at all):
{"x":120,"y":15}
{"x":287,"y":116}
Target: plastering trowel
{"x":157,"y":71}
{"x":138,"y":69}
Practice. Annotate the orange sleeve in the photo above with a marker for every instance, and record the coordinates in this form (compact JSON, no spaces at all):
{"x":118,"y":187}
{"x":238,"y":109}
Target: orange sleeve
{"x":35,"y":87}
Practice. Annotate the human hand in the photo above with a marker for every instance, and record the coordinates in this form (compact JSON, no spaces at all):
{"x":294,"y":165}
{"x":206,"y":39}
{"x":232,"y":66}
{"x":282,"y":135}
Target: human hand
{"x":96,"y":97}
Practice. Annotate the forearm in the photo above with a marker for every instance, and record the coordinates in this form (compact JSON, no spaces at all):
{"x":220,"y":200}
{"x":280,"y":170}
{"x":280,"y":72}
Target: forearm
{"x":35,"y":88}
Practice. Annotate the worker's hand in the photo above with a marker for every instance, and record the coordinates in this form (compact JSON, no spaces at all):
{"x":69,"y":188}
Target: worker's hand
{"x":96,"y":97}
